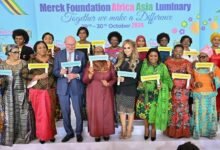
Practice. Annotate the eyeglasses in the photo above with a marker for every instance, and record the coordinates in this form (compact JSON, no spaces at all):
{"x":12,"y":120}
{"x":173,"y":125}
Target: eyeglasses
{"x":70,"y":44}
{"x":15,"y":52}
{"x":202,"y":57}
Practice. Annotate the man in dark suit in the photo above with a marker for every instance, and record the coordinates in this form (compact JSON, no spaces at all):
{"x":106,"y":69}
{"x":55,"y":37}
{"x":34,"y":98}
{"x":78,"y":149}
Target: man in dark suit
{"x":69,"y":85}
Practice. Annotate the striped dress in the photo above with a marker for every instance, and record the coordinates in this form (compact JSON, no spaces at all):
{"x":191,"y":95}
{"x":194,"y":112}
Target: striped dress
{"x":17,"y":127}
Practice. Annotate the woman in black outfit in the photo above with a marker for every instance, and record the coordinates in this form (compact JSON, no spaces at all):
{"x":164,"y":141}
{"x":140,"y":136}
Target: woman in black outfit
{"x":21,"y":38}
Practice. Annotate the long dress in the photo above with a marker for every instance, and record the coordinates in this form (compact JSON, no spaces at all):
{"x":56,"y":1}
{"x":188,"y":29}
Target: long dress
{"x":100,"y":102}
{"x":204,"y":119}
{"x":179,"y":125}
{"x":153,"y":104}
{"x":215,"y":58}
{"x":17,"y":111}
{"x":43,"y":100}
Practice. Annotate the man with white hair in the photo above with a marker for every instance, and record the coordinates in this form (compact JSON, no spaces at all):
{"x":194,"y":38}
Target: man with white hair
{"x":70,"y":86}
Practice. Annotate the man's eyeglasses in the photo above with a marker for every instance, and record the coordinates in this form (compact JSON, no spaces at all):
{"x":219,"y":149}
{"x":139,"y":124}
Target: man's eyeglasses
{"x":70,"y":44}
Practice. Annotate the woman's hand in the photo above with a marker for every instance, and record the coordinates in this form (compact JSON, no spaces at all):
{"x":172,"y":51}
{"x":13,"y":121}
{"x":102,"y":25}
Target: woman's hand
{"x":198,"y":84}
{"x":211,"y":74}
{"x":159,"y":86}
{"x":121,"y":79}
{"x":44,"y":75}
{"x":91,"y":72}
{"x":40,"y":77}
{"x":105,"y":83}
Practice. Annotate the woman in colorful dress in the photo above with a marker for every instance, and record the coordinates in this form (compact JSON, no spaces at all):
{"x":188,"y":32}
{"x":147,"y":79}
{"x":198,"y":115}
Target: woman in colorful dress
{"x":127,"y":90}
{"x":141,"y":42}
{"x":14,"y":106}
{"x":163,"y":40}
{"x":100,"y":105}
{"x":114,"y":38}
{"x":153,"y":104}
{"x":215,"y":58}
{"x":179,"y":125}
{"x":206,"y":83}
{"x":42,"y":94}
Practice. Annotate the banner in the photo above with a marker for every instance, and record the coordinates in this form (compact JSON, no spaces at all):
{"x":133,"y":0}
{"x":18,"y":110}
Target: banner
{"x":197,"y":19}
{"x":182,"y":76}
{"x":5,"y":72}
{"x":126,"y":74}
{"x":39,"y":66}
{"x":151,"y":78}
{"x":205,"y":65}
{"x":70,"y":64}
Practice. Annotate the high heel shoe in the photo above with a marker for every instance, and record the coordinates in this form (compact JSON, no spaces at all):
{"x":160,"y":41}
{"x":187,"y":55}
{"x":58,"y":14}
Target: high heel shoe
{"x":42,"y":142}
{"x":146,"y":136}
{"x":53,"y":140}
{"x":106,"y":138}
{"x":153,"y":138}
{"x":97,"y":139}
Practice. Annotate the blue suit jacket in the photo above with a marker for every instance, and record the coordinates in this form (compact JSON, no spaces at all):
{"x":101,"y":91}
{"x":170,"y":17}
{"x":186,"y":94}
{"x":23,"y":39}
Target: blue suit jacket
{"x":75,"y":86}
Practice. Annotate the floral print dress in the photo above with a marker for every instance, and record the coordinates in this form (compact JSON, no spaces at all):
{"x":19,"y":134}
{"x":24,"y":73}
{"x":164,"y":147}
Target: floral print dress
{"x":179,"y":125}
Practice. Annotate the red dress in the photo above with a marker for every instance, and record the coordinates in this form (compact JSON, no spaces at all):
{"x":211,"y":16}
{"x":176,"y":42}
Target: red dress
{"x":179,"y":125}
{"x":215,"y":58}
{"x":100,"y":102}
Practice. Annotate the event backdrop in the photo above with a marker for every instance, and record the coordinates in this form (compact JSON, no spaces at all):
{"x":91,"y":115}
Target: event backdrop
{"x":196,"y":18}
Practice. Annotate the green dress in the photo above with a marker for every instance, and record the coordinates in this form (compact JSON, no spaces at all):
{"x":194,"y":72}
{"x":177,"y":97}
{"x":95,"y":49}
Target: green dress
{"x":153,"y":104}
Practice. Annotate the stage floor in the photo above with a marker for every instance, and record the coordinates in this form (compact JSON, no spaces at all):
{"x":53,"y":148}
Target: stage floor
{"x":137,"y":142}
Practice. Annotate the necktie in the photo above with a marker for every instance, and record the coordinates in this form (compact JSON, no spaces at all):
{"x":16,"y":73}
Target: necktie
{"x":69,"y":59}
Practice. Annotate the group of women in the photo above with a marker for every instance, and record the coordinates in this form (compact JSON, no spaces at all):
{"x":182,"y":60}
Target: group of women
{"x":179,"y":107}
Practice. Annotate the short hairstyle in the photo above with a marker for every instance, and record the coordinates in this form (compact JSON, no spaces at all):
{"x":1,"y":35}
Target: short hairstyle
{"x":21,"y":32}
{"x":114,"y":34}
{"x":186,"y":37}
{"x":156,"y":51}
{"x":37,"y":43}
{"x":83,"y":28}
{"x":162,"y":35}
{"x":47,"y":33}
{"x":178,"y":45}
{"x":10,"y":47}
